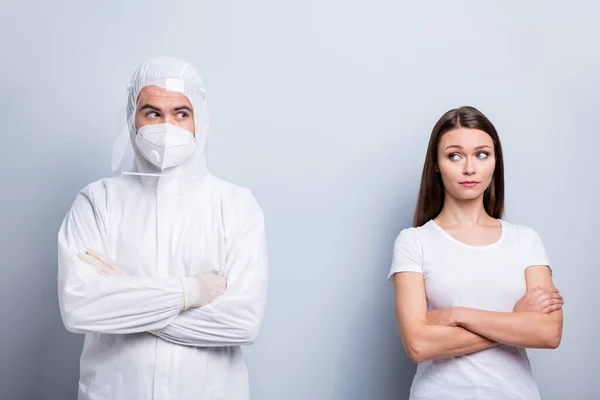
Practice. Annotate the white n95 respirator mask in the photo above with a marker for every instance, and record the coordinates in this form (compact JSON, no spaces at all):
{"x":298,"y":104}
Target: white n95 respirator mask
{"x":165,"y":145}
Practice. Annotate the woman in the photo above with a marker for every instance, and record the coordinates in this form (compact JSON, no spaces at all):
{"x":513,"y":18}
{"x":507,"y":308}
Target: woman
{"x":472,"y":291}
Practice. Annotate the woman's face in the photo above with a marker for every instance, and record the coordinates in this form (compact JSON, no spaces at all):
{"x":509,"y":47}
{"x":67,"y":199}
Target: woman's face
{"x":466,"y":162}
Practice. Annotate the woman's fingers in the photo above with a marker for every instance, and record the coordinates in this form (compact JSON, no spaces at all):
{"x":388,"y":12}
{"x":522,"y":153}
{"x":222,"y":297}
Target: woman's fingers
{"x":552,"y":305}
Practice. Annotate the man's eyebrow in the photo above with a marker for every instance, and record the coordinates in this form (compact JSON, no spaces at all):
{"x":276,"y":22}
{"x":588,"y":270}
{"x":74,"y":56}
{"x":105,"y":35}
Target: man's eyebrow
{"x":183,"y":108}
{"x":149,"y":107}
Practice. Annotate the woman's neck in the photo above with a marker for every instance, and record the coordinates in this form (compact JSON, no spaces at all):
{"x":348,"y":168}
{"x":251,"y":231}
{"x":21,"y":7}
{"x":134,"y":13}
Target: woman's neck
{"x":464,"y":213}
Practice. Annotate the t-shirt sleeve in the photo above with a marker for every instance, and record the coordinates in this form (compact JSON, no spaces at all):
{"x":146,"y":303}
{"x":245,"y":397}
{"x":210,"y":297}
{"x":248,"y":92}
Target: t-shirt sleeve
{"x":408,"y":254}
{"x":535,"y":253}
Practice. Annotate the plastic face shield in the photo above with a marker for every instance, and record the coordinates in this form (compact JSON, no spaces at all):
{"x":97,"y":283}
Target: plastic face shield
{"x":131,"y":154}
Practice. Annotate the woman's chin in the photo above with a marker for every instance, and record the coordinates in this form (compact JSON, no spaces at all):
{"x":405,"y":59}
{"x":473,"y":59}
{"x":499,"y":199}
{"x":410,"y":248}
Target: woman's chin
{"x":465,"y":195}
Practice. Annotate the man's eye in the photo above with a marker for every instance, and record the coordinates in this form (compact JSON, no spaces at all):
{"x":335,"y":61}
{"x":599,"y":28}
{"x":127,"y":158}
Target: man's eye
{"x":152,"y":114}
{"x":182,"y":115}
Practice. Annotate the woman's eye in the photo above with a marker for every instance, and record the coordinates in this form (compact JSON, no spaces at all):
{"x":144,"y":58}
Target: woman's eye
{"x":454,"y":156}
{"x":482,"y":155}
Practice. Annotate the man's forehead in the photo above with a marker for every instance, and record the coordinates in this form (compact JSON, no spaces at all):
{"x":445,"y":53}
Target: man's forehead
{"x":159,"y":96}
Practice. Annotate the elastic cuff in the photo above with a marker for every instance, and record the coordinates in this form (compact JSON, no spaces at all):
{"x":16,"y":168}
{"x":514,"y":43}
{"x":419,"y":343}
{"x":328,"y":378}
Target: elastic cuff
{"x":191,"y":293}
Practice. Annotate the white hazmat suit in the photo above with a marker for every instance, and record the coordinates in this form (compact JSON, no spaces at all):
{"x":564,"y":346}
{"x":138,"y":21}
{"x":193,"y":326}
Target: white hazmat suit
{"x":161,"y":226}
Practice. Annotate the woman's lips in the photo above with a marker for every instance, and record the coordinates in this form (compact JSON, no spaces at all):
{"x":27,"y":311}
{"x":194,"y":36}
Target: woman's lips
{"x":469,"y":184}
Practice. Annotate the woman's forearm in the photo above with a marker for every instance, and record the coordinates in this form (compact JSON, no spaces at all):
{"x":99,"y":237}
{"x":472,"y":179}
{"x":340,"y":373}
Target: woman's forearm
{"x":521,"y":329}
{"x":433,"y":342}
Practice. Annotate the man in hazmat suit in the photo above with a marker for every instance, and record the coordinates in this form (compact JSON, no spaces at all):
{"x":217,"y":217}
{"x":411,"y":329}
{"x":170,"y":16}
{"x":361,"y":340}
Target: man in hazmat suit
{"x":164,"y":267}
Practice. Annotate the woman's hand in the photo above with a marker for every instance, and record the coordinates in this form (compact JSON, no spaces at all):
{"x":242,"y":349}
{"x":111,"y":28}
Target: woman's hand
{"x":540,"y":299}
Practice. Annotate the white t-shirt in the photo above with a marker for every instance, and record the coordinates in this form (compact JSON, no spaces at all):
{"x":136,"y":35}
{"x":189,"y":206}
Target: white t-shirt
{"x":484,"y":277}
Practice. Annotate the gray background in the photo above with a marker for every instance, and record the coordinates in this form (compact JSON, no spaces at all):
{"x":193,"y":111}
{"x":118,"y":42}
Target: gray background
{"x":323,"y":108}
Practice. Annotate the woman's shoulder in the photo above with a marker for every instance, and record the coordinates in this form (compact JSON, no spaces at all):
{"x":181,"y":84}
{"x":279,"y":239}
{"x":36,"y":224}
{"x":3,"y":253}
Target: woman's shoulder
{"x":521,"y":232}
{"x":415,"y":234}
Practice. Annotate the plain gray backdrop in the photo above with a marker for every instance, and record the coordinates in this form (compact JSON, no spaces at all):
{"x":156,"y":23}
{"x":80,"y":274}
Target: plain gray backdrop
{"x":323,"y":108}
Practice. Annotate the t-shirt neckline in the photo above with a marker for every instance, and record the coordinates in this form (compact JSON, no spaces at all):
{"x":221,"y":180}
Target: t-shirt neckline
{"x":469,"y":246}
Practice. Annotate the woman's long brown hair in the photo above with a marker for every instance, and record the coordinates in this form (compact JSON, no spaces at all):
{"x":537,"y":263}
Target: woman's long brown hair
{"x":431,"y":193}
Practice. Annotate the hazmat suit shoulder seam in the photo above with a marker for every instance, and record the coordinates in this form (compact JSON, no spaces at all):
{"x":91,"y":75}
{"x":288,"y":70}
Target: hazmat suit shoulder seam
{"x":95,"y":195}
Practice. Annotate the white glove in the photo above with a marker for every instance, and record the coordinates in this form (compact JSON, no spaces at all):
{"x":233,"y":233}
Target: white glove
{"x":202,"y":289}
{"x":102,"y":265}
{"x":198,"y":290}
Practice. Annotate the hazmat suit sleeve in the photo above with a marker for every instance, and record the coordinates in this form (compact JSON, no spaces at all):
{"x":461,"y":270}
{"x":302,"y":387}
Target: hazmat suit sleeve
{"x":93,"y":303}
{"x":235,"y":317}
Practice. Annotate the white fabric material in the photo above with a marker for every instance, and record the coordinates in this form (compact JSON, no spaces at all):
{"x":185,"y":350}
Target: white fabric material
{"x":165,"y":145}
{"x":488,"y":278}
{"x":202,"y":289}
{"x":157,"y":234}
